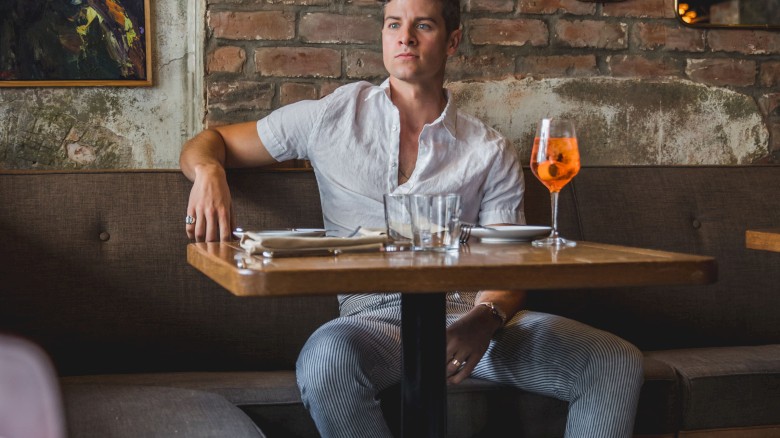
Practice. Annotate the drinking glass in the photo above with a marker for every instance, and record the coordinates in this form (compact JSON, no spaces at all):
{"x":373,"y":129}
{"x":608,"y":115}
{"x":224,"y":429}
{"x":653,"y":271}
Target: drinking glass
{"x":436,"y":222}
{"x":555,"y":160}
{"x":398,"y":220}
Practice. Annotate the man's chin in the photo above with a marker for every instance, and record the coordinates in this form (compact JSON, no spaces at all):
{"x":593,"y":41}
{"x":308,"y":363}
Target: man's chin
{"x":406,"y":75}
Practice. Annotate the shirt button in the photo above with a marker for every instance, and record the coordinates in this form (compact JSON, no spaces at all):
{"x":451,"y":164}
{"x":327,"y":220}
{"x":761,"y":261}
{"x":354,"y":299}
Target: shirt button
{"x":395,"y":127}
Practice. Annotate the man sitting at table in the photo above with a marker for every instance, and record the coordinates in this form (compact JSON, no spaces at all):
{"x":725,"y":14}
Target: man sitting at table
{"x":407,"y":136}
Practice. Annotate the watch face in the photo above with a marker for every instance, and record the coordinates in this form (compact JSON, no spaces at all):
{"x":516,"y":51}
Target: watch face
{"x":495,"y":310}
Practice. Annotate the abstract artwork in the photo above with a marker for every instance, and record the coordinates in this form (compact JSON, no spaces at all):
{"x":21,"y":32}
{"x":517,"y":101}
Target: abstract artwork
{"x":74,"y":43}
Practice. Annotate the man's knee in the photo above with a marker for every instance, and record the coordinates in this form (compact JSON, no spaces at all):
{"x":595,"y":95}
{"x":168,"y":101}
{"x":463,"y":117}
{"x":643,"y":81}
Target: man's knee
{"x":622,"y":358}
{"x":329,"y":356}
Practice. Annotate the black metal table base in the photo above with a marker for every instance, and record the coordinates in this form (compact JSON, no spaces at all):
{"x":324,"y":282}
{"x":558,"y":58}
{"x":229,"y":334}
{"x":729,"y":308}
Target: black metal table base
{"x":423,"y":381}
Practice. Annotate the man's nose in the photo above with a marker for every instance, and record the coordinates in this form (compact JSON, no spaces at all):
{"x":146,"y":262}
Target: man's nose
{"x":407,"y":37}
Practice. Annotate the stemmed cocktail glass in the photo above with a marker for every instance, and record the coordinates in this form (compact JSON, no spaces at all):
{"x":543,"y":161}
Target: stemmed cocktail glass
{"x":555,"y":160}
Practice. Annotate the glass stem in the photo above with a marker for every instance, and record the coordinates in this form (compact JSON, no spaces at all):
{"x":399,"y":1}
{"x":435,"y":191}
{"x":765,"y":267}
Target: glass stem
{"x":554,"y":212}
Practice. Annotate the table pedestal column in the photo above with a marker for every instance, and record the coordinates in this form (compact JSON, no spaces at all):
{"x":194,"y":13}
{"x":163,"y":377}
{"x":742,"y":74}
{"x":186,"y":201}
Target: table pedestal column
{"x":424,"y":380}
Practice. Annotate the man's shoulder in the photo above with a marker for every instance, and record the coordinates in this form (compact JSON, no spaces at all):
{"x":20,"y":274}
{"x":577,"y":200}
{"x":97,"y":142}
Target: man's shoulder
{"x":353,"y":89}
{"x":473,"y":126}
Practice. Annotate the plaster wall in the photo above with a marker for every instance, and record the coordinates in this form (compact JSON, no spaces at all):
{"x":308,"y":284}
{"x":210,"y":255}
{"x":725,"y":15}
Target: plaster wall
{"x":625,"y":121}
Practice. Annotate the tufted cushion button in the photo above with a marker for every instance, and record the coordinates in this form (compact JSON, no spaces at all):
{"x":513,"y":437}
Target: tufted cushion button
{"x":104,"y":236}
{"x":696,"y":224}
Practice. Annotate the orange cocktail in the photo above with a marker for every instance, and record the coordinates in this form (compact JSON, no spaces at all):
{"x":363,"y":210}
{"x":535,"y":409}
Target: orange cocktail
{"x":555,"y":160}
{"x":560,"y":163}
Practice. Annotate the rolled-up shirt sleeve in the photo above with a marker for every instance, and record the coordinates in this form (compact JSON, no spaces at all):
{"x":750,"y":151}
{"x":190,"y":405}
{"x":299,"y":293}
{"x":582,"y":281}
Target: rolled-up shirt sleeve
{"x":287,"y":131}
{"x":502,"y":201}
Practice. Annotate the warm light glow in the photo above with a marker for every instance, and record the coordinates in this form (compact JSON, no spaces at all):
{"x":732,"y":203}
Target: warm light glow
{"x":682,"y":8}
{"x":691,"y":14}
{"x":686,"y":19}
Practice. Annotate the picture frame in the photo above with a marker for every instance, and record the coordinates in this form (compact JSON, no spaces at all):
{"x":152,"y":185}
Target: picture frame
{"x":75,"y":43}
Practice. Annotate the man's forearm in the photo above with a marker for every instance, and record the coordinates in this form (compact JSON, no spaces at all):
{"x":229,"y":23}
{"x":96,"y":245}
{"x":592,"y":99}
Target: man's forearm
{"x":205,"y":150}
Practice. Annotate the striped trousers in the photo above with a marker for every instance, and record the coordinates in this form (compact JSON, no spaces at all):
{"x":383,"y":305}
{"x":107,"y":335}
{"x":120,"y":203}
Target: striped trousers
{"x":349,"y":360}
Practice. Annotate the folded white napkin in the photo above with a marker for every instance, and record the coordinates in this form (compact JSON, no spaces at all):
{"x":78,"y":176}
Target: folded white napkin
{"x":256,"y":243}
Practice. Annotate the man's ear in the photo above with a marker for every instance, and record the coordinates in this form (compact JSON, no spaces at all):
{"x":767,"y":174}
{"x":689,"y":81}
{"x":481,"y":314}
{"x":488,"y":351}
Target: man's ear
{"x":453,"y":41}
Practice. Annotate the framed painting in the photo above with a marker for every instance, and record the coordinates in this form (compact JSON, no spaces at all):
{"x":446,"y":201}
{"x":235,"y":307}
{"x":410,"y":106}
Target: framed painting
{"x":50,"y":43}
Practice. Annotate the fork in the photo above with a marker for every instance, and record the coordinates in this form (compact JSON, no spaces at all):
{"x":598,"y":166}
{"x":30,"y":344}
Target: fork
{"x":465,"y":232}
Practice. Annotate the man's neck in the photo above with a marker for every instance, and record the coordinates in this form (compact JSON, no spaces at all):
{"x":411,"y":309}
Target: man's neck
{"x":418,"y":104}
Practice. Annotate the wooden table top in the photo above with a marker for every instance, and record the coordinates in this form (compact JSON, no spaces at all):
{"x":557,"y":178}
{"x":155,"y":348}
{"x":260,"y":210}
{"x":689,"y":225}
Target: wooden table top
{"x":766,"y":239}
{"x":477,"y":266}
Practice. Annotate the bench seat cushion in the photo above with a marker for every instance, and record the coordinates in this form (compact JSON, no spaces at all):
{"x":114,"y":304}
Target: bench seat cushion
{"x":727,"y":387}
{"x":119,"y":411}
{"x":237,"y":387}
{"x":475,"y":407}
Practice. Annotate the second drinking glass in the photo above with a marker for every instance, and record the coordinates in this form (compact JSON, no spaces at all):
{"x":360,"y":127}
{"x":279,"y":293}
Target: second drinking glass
{"x":436,"y":222}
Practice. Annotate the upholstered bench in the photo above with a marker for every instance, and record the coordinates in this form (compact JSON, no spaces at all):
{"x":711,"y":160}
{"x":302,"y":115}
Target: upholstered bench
{"x":93,"y":270}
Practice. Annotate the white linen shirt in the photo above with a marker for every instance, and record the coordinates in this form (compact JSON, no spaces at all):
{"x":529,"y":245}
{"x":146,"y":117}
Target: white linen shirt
{"x":351,"y":137}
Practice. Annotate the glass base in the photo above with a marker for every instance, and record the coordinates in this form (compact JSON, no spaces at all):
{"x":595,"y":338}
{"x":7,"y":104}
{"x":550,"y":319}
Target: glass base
{"x":399,"y":246}
{"x":553,"y":242}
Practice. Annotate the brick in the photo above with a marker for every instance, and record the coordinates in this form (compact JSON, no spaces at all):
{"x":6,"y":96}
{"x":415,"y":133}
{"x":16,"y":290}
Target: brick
{"x":770,"y":74}
{"x":774,"y":138}
{"x":641,"y":8}
{"x":298,"y":62}
{"x":591,"y":34}
{"x":337,"y":28}
{"x":273,"y":25}
{"x":552,"y":6}
{"x":328,"y":87}
{"x":238,"y":96}
{"x":720,"y":72}
{"x":664,"y":37}
{"x":291,"y":92}
{"x":365,"y":64}
{"x":226,"y":2}
{"x":639,"y":66}
{"x":490,"y":5}
{"x":770,"y":105}
{"x":226,"y":59}
{"x":292,"y":2}
{"x":366,"y":3}
{"x":748,"y":42}
{"x":216,"y":117}
{"x":491,"y":64}
{"x":558,"y":66}
{"x":518,"y":32}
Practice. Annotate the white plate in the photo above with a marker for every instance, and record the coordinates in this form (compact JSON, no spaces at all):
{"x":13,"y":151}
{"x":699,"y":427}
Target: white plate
{"x":299,"y":232}
{"x":510,"y":233}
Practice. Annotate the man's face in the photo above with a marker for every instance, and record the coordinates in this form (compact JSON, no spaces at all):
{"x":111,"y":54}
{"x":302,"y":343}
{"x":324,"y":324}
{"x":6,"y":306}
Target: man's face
{"x":415,"y":44}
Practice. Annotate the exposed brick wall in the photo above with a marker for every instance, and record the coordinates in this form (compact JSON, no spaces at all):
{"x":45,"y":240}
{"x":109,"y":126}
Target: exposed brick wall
{"x":262,"y":54}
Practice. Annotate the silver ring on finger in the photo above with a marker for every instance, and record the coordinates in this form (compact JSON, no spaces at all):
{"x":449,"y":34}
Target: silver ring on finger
{"x":189,"y":220}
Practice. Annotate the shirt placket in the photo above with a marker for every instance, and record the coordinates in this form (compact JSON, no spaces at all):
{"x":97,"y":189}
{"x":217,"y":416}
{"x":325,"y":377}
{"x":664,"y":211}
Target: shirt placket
{"x":395,"y":147}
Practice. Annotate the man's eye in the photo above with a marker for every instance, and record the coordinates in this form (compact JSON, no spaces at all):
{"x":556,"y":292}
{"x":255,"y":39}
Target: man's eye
{"x":424,"y":26}
{"x":393,"y":26}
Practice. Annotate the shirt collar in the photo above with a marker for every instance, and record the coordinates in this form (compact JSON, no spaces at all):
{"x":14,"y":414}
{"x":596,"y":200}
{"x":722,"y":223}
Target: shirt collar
{"x":448,"y":117}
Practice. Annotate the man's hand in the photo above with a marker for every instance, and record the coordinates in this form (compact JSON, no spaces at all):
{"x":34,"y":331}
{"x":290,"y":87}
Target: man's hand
{"x":467,"y":340}
{"x":469,"y":337}
{"x":203,"y":160}
{"x":211,"y":206}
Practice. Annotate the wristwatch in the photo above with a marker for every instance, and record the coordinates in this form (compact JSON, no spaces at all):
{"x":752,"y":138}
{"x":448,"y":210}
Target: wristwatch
{"x":495,"y":310}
